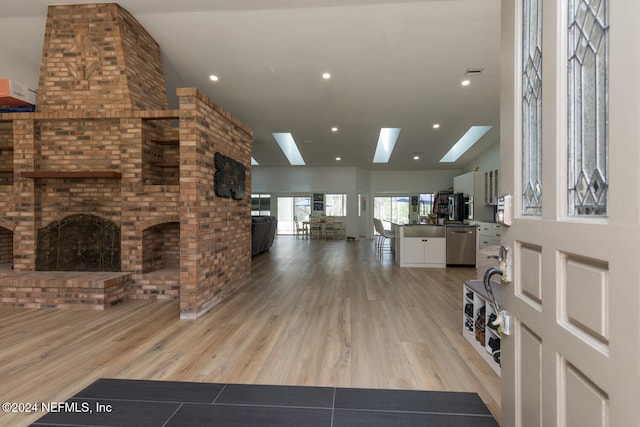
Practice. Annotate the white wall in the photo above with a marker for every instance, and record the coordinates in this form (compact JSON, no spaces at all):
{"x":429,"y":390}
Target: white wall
{"x":363,"y":187}
{"x":489,"y":159}
{"x":302,"y":179}
{"x":20,"y":65}
{"x":411,"y":182}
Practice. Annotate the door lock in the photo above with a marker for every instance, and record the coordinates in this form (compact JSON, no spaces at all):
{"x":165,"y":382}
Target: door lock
{"x":504,"y":213}
{"x":505,"y":260}
{"x":506,"y":263}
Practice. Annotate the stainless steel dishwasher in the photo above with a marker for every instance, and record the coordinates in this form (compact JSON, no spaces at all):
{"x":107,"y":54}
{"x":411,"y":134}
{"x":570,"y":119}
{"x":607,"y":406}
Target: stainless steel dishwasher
{"x":461,"y":245}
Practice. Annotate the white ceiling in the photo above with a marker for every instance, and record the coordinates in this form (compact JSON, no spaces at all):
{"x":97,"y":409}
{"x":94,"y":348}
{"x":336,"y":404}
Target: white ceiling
{"x":394,"y":63}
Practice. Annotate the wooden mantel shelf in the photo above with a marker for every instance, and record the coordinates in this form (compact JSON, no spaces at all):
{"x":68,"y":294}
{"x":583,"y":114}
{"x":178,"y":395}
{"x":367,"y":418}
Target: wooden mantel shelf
{"x":172,"y":141}
{"x":72,"y":174}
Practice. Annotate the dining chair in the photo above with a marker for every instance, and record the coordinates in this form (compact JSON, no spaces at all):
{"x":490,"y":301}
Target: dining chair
{"x":315,"y":228}
{"x":341,"y":232}
{"x":330,"y":227}
{"x":301,"y":229}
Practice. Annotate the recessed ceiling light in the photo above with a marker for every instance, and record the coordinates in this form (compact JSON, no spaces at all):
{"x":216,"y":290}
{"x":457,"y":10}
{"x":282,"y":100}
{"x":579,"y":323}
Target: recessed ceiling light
{"x":465,"y":82}
{"x":436,"y":125}
{"x":213,"y":77}
{"x":326,"y":76}
{"x":334,"y":129}
{"x":338,"y":158}
{"x":416,"y":157}
{"x":468,"y":139}
{"x":386,"y":143}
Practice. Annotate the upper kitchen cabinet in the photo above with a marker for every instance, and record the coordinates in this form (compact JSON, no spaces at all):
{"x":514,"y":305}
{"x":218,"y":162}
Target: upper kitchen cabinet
{"x":491,"y":187}
{"x":473,"y":185}
{"x":465,"y":183}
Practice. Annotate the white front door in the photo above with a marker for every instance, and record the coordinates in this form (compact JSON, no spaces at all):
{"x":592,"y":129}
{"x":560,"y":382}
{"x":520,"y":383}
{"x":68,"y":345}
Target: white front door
{"x":571,"y":83}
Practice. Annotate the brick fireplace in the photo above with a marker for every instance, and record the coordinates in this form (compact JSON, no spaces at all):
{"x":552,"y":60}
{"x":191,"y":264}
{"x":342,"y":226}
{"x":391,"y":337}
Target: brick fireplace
{"x":103,"y":147}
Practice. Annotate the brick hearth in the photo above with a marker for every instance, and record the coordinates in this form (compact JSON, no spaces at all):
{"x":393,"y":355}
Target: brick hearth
{"x":103,"y":142}
{"x":62,"y":289}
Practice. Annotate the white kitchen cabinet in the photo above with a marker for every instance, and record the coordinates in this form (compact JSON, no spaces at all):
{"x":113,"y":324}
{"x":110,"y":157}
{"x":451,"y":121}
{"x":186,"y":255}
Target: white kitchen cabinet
{"x":485,"y":237}
{"x":488,"y":234}
{"x":464,"y":183}
{"x":421,"y":246}
{"x":469,"y":183}
{"x":477,"y":315}
{"x":496,"y":229}
{"x":424,"y":252}
{"x":491,"y":183}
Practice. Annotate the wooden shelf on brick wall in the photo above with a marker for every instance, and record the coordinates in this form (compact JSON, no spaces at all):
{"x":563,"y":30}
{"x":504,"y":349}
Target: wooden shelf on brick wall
{"x":72,"y":174}
{"x":166,"y":141}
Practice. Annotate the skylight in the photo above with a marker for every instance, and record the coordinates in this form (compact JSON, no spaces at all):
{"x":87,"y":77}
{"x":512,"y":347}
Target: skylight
{"x":468,"y":139}
{"x":386,"y":143}
{"x":289,"y":148}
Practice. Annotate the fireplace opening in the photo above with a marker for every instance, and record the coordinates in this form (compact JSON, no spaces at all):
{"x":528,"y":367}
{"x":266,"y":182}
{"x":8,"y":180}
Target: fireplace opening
{"x":6,"y":153}
{"x":6,"y":248}
{"x":160,"y":278}
{"x":161,"y":247}
{"x":80,"y":242}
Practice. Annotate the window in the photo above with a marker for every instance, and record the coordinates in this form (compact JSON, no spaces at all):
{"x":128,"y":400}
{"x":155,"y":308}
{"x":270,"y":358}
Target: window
{"x":588,"y":113}
{"x":426,"y":204}
{"x":290,"y":209}
{"x":532,"y":107}
{"x":392,"y":209}
{"x":302,"y":208}
{"x":261,"y":204}
{"x":336,"y":204}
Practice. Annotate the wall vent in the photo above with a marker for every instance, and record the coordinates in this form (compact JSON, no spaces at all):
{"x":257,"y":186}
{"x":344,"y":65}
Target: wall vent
{"x":474,"y":71}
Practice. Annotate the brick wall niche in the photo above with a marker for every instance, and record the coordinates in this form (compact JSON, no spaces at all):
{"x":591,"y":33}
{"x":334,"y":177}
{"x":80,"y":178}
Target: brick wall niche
{"x":102,"y":142}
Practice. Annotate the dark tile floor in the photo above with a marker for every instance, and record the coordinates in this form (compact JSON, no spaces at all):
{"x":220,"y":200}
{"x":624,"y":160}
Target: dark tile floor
{"x":110,"y":402}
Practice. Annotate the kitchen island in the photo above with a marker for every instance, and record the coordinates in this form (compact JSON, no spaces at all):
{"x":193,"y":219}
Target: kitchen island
{"x":425,"y":245}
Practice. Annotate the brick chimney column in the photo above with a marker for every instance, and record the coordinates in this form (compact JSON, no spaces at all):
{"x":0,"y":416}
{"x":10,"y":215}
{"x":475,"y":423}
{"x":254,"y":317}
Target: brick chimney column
{"x":26,"y":201}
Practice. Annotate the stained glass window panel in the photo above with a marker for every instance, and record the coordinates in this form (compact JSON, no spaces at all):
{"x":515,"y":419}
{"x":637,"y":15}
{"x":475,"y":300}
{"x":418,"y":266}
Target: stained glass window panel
{"x":532,"y":107}
{"x":588,"y":145}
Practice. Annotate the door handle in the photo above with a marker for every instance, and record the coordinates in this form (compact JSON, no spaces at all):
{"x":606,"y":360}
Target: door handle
{"x":503,"y":320}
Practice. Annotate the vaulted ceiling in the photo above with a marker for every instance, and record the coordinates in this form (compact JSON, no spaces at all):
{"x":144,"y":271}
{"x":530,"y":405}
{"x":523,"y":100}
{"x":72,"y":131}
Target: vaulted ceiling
{"x":393,"y":63}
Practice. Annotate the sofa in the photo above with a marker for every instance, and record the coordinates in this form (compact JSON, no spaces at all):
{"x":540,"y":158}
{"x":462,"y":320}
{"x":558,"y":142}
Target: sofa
{"x":263,"y":232}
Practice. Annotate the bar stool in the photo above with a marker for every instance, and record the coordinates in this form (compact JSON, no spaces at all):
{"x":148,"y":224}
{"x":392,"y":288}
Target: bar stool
{"x":383,"y":237}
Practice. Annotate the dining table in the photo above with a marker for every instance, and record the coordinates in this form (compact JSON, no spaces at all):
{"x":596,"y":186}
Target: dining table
{"x":322,"y":225}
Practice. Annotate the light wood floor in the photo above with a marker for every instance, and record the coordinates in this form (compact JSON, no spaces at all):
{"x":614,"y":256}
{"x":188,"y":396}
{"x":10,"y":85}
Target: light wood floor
{"x":323,"y":313}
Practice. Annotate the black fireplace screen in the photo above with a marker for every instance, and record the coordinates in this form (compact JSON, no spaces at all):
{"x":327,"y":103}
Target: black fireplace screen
{"x":79,"y":242}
